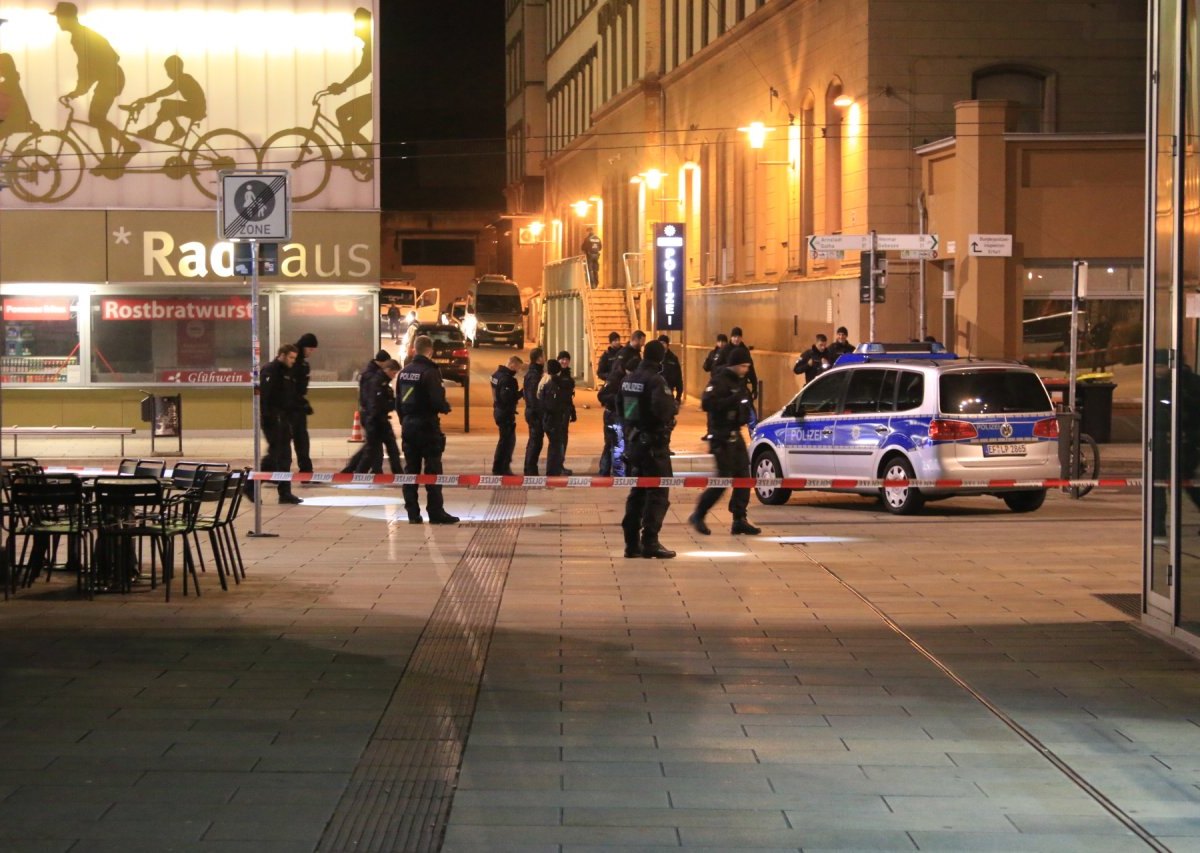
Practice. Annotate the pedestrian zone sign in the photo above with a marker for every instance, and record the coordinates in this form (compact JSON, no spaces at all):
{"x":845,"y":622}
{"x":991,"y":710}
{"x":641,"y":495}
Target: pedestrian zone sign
{"x":255,"y":206}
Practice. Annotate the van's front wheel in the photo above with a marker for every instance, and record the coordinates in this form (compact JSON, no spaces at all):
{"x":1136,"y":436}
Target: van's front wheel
{"x":900,"y":500}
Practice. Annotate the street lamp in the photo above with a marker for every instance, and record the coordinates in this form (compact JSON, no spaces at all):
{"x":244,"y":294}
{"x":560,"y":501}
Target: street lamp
{"x":756,"y":132}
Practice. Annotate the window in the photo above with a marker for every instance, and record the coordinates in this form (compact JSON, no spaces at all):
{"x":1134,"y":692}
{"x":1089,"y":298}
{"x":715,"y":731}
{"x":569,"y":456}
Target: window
{"x":910,"y":391}
{"x":865,"y":391}
{"x":341,"y":324}
{"x":824,"y":394}
{"x":140,"y":339}
{"x":989,"y":392}
{"x":1031,"y":88}
{"x":437,"y":253}
{"x":41,"y":339}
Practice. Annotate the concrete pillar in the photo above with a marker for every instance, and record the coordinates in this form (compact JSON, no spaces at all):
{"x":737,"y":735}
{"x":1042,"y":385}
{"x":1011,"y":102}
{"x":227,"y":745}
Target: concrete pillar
{"x":986,"y":310}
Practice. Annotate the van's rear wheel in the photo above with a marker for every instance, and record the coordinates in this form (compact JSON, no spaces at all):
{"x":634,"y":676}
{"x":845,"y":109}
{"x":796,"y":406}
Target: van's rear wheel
{"x":1025,"y":501}
{"x":766,"y":466}
{"x":900,"y":500}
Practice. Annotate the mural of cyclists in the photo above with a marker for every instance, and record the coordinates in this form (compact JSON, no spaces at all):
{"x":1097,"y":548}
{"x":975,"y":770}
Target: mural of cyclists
{"x":210,"y":114}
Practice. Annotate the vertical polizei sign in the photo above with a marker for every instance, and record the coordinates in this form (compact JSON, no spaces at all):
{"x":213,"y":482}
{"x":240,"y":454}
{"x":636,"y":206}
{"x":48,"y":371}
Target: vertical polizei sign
{"x":669,"y":260}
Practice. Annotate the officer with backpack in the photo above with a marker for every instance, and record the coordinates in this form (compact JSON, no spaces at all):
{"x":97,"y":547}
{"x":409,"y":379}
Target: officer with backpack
{"x":647,"y":414}
{"x":505,"y":395}
{"x":728,"y":404}
{"x":555,"y":399}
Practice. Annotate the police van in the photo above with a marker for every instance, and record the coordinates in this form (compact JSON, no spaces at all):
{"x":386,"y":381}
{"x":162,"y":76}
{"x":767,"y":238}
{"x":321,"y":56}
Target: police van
{"x":915,"y":411}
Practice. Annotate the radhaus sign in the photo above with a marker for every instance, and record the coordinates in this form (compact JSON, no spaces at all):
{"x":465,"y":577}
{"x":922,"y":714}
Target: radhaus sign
{"x":163,"y":256}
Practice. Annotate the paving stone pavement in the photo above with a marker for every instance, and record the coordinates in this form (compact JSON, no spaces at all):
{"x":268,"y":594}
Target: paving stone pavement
{"x":794,"y":691}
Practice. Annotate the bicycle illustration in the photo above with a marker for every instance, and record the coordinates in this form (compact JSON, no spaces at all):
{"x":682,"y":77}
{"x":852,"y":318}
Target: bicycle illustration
{"x":48,"y":166}
{"x":307,"y":152}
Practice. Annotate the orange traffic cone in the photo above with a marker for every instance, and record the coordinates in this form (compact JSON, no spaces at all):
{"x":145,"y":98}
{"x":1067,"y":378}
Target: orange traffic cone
{"x":356,"y":431}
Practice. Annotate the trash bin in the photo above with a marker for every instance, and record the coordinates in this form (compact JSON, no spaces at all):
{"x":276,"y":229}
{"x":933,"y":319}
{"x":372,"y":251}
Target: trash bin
{"x":1093,"y":399}
{"x":1096,"y":403}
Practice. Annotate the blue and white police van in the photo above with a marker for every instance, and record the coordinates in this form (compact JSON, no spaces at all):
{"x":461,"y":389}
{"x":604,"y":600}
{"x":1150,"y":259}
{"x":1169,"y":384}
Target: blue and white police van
{"x":915,"y":412}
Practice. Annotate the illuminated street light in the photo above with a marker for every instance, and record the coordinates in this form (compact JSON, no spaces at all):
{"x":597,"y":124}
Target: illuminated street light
{"x":536,"y":228}
{"x":581,"y":208}
{"x":653,"y":178}
{"x":756,"y":132}
{"x":843,"y":101}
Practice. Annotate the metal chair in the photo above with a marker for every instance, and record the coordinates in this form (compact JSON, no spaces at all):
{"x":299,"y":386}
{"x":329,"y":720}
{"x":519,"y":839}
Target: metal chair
{"x":234,"y":493}
{"x":150,"y":468}
{"x":127,"y":467}
{"x":212,"y":495}
{"x":126,"y":511}
{"x":44,"y":511}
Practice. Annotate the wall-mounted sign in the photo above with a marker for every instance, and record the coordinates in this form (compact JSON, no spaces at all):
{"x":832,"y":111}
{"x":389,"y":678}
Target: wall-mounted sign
{"x":669,"y":263}
{"x":156,"y":308}
{"x":38,"y":309}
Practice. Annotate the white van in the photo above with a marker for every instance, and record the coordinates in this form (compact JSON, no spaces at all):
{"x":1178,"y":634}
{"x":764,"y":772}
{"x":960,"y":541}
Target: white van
{"x":493,"y":312}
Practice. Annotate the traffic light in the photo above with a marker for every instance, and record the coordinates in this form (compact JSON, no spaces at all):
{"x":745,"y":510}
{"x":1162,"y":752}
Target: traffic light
{"x":865,"y":279}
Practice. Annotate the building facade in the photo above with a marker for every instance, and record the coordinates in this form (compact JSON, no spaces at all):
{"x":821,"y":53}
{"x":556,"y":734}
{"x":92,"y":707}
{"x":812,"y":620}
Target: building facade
{"x":118,"y":120}
{"x":756,"y":123}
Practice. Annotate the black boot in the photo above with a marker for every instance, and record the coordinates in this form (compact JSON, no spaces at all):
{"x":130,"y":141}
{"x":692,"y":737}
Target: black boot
{"x":633,"y":548}
{"x":696,"y":520}
{"x":414,"y":517}
{"x":443,"y":518}
{"x":655,"y":551}
{"x":744,"y":527}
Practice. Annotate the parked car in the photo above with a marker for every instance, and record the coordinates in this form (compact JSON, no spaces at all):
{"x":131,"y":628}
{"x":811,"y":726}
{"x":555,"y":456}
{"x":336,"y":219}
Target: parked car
{"x":450,"y":352}
{"x":915,"y":411}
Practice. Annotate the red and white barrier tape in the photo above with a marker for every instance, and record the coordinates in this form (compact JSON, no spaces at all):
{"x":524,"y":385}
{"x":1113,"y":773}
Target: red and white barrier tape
{"x":685,"y":482}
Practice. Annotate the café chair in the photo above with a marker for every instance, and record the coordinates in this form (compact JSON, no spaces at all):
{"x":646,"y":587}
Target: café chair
{"x":127,"y":467}
{"x":44,"y":511}
{"x":126,"y":512}
{"x":150,"y":468}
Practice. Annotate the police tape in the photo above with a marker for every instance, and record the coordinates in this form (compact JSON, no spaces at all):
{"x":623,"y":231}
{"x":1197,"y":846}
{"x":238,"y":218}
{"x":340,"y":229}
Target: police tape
{"x":496,"y":481}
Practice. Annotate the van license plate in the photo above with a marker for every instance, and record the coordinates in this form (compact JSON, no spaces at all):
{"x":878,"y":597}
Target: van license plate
{"x":1004,"y":450}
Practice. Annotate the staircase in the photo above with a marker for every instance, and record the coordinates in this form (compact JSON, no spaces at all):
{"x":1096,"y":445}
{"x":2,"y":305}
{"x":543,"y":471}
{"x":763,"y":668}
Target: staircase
{"x":607,"y":313}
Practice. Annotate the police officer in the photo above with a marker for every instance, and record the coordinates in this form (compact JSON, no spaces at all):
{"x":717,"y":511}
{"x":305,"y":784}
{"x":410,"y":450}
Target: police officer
{"x":614,"y":431}
{"x":278,"y":403}
{"x":608,"y":356}
{"x":505,"y":395}
{"x":554,"y":397}
{"x":421,"y":400}
{"x":634,"y":348}
{"x":378,"y":403}
{"x":815,"y":360}
{"x":359,"y":463}
{"x":591,"y":252}
{"x":727,"y":402}
{"x":647,"y":413}
{"x":301,"y":372}
{"x":533,"y":410}
{"x":841,"y":343}
{"x":568,"y":380}
{"x":714,"y":355}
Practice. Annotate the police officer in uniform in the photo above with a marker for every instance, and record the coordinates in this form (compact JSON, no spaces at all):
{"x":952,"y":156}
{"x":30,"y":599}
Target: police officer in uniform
{"x":727,"y":402}
{"x":277,"y":404}
{"x":533,"y":410}
{"x":647,"y":413}
{"x":301,"y":372}
{"x":505,"y":395}
{"x":420,"y":400}
{"x":614,"y":431}
{"x":378,"y":403}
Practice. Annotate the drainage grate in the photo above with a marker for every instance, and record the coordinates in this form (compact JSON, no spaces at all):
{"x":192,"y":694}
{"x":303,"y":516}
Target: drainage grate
{"x":400,"y":794}
{"x":1129,"y":603}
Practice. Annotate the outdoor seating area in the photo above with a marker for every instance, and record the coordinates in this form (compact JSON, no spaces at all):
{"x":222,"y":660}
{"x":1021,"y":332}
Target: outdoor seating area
{"x":117,"y":532}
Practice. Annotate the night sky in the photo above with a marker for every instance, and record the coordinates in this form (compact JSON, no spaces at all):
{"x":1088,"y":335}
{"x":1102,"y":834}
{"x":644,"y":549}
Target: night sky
{"x":442,"y":99}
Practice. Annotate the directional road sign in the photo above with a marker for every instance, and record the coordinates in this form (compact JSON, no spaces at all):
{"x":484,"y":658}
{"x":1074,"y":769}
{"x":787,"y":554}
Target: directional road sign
{"x":255,"y":206}
{"x":839,"y":243}
{"x":990,"y":245}
{"x":903,"y":242}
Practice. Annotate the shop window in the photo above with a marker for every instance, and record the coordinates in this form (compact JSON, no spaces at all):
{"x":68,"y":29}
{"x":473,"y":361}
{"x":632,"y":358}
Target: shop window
{"x":190,"y":339}
{"x":1110,"y":339}
{"x":345,"y":327}
{"x":41,"y":339}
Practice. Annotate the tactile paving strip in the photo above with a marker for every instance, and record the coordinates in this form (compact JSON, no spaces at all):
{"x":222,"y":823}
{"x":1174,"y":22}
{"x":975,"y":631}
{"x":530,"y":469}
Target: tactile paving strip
{"x":400,"y":795}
